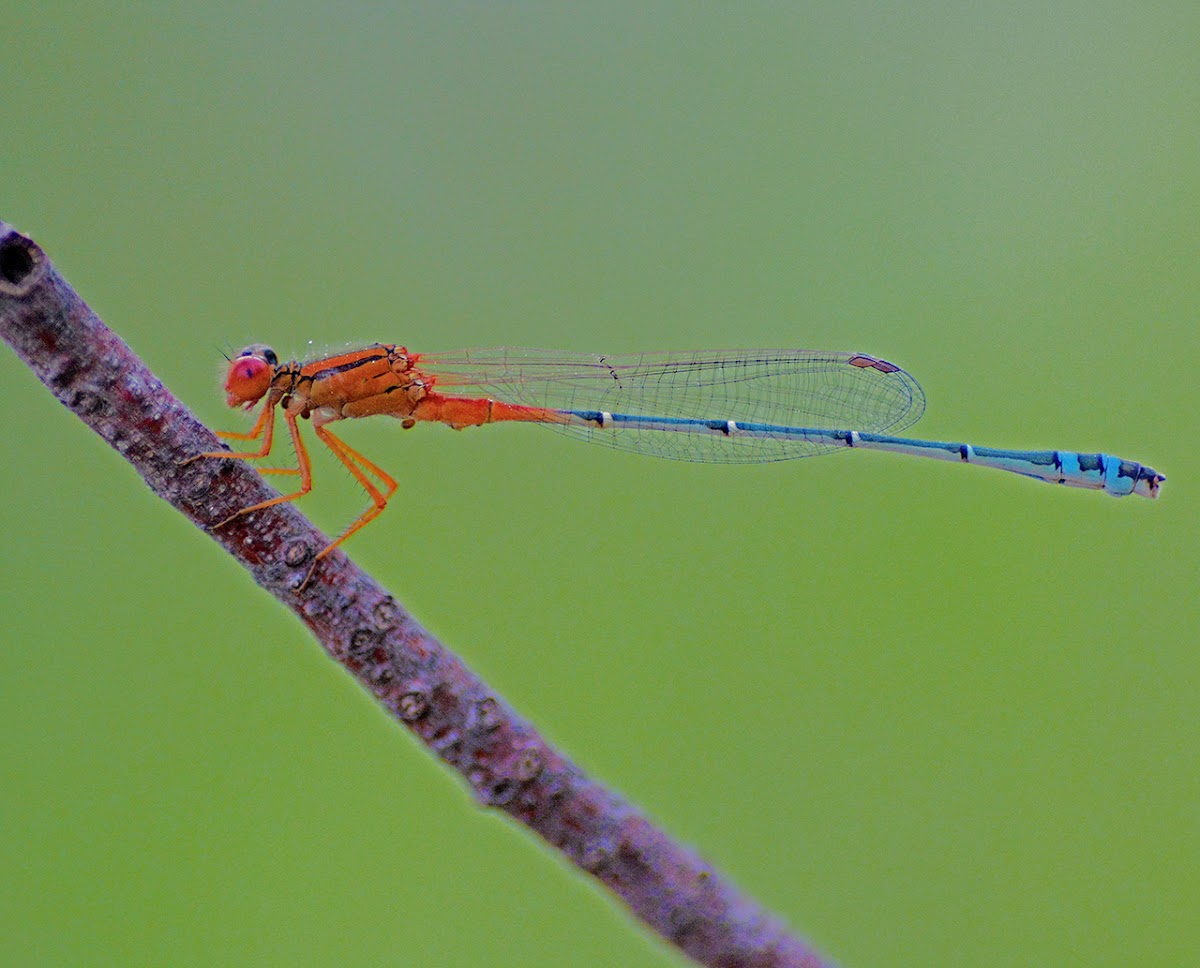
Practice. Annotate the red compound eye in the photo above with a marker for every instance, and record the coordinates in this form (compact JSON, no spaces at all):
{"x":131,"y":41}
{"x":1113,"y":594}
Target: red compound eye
{"x":248,"y":380}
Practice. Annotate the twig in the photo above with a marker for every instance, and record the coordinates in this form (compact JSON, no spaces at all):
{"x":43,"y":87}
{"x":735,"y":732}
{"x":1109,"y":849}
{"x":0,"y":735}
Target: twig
{"x":506,"y":763}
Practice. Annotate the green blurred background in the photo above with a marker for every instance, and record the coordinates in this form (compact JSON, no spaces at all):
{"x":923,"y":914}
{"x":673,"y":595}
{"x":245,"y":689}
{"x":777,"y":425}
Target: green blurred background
{"x":932,"y":715}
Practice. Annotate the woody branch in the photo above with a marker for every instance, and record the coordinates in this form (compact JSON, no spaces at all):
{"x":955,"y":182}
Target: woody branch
{"x":505,"y":762}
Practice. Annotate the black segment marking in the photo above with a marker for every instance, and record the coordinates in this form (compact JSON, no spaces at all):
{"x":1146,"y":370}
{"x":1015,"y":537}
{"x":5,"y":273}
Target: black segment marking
{"x":332,"y":371}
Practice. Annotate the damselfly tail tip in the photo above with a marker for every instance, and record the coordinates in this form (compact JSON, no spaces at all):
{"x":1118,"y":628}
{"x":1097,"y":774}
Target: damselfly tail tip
{"x":1149,"y":482}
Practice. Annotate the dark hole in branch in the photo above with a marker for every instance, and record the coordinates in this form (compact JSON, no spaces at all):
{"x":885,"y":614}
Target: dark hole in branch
{"x":16,"y":261}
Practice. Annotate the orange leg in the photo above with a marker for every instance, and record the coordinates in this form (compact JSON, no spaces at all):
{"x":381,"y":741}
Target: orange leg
{"x":266,"y":421}
{"x":357,"y":465}
{"x":304,"y":470}
{"x":264,"y":427}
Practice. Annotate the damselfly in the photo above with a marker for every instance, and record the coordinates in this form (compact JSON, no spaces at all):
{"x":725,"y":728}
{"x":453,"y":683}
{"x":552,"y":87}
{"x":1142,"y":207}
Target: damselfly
{"x":744,"y":406}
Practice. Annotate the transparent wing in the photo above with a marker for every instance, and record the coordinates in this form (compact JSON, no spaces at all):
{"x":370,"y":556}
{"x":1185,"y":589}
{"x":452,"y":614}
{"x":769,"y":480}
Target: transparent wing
{"x":776,"y":388}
